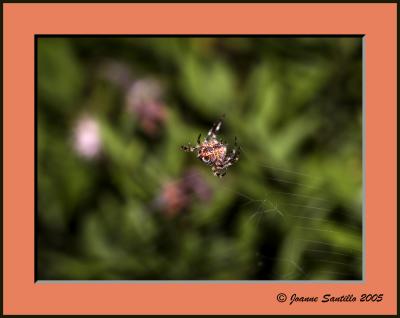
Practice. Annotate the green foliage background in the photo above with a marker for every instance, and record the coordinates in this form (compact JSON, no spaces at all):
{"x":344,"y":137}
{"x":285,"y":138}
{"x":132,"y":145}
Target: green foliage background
{"x":290,"y":208}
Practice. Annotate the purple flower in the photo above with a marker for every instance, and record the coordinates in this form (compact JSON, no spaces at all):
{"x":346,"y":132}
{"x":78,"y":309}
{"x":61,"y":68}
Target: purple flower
{"x":194,"y":183}
{"x":144,"y":99}
{"x":116,"y":72}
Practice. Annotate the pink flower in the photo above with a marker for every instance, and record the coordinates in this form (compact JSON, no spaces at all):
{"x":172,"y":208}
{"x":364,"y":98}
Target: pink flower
{"x":177,"y":195}
{"x":86,"y":137}
{"x":173,"y":198}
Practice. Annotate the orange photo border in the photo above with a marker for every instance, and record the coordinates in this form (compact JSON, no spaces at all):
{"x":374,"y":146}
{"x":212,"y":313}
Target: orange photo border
{"x":377,"y":22}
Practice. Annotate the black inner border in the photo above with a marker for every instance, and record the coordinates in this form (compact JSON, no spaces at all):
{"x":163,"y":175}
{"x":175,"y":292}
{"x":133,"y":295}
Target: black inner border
{"x":209,"y":2}
{"x":105,"y":36}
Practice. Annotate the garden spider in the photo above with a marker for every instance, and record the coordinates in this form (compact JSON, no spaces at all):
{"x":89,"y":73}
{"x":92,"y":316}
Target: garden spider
{"x":214,"y":152}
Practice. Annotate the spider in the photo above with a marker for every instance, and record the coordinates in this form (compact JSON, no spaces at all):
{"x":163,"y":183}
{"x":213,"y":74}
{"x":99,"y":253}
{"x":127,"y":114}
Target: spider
{"x":214,"y":152}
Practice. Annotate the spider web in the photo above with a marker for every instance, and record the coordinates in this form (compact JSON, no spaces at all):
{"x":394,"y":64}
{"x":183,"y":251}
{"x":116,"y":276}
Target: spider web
{"x":308,"y":216}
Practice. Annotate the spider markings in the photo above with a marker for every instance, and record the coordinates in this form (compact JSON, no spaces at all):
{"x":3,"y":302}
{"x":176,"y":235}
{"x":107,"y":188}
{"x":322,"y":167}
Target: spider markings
{"x":214,"y":152}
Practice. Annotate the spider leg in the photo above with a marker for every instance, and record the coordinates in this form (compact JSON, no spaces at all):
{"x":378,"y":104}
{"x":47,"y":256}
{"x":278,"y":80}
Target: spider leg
{"x":235,"y":155}
{"x":222,"y":174}
{"x":218,"y":172}
{"x":227,"y":163}
{"x":235,"y":152}
{"x":188,"y":148}
{"x":198,"y":140}
{"x":231,"y":158}
{"x":215,"y":128}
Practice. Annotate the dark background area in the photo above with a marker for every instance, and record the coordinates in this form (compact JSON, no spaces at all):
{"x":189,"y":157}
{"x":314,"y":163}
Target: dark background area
{"x":118,"y":199}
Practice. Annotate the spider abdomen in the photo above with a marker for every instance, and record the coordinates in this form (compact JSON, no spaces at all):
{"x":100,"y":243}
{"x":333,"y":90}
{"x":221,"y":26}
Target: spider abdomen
{"x":212,"y":152}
